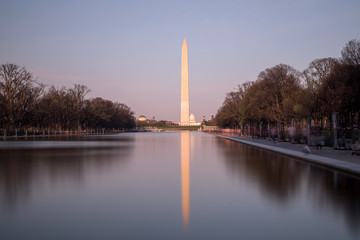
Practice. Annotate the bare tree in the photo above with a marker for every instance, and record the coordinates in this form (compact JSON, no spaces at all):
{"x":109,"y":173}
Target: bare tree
{"x":281,"y":85}
{"x":318,"y":70}
{"x":56,"y":108}
{"x":19,"y":93}
{"x":351,"y":53}
{"x":315,"y":76}
{"x":78,"y":94}
{"x":230,"y":114}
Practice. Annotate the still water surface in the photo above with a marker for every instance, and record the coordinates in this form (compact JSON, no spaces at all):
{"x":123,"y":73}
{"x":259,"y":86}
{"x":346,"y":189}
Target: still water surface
{"x":175,"y":185}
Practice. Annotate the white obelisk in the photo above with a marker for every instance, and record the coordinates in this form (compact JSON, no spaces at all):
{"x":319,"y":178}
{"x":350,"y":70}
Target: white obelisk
{"x":184,"y":86}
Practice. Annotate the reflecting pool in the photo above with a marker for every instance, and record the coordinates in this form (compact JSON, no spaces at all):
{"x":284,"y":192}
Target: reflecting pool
{"x":169,"y":185}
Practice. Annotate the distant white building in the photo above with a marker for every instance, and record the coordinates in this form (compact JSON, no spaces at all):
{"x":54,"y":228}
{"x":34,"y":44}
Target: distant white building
{"x":142,"y":118}
{"x":193,"y":120}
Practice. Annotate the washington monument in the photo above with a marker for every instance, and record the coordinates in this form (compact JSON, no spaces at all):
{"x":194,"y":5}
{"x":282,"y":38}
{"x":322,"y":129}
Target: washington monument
{"x":184,"y":86}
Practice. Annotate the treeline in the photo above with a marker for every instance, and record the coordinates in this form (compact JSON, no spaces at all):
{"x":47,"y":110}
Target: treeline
{"x":282,"y":93}
{"x":25,"y":103}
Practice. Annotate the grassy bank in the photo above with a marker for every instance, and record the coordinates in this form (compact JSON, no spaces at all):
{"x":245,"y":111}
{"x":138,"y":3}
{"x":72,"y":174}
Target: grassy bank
{"x":179,"y":128}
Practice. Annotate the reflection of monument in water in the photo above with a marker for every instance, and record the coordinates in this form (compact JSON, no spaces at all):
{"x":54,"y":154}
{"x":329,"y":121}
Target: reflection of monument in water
{"x":185,"y":177}
{"x":185,"y":118}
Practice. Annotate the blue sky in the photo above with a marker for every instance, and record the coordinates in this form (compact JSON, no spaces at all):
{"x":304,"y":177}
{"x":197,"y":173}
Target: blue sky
{"x":129,"y":51}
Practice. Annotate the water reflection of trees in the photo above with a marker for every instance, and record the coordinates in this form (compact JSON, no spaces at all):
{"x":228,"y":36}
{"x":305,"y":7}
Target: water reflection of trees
{"x":278,"y":179}
{"x":282,"y":178}
{"x":337,"y":191}
{"x":24,"y":170}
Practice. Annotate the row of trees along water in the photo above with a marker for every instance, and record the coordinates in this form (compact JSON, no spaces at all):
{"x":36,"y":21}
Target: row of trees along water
{"x":25,"y":103}
{"x":284,"y":94}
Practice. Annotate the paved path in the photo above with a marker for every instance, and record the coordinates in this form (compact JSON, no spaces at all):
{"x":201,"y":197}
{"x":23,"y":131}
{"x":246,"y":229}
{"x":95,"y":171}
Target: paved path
{"x":338,"y":159}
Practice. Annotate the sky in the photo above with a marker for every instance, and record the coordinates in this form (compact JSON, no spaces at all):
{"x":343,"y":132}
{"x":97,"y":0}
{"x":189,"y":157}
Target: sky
{"x":130,"y":51}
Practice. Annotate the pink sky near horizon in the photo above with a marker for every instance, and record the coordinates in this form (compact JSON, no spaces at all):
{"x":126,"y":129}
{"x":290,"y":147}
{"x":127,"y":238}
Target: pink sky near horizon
{"x":130,"y":52}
